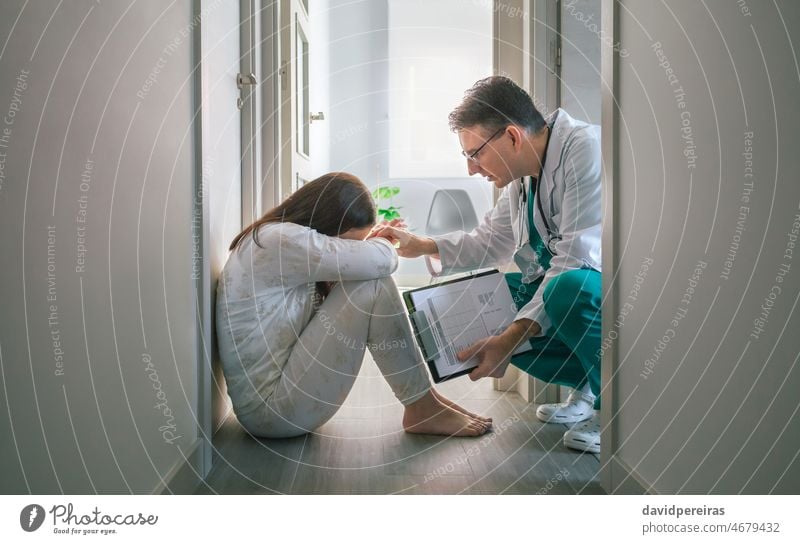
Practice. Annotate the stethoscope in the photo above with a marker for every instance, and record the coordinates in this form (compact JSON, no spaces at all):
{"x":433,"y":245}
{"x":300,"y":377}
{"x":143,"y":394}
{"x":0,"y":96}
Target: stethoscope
{"x":552,"y":236}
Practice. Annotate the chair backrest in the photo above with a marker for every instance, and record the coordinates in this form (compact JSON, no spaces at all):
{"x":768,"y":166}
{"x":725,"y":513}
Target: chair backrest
{"x":451,"y":210}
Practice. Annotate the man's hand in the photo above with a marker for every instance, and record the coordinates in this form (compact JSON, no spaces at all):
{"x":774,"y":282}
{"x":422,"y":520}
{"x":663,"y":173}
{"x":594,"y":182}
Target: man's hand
{"x":399,"y":223}
{"x":494,"y":353}
{"x":410,"y":245}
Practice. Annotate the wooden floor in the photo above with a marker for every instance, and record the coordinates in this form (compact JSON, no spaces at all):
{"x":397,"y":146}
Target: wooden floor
{"x":363,"y":449}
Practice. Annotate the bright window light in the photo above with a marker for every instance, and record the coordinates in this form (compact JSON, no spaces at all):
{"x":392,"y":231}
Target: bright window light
{"x":437,"y":50}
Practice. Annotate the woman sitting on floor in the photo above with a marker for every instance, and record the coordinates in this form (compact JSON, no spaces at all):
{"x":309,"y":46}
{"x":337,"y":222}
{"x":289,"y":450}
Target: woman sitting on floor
{"x":304,"y":292}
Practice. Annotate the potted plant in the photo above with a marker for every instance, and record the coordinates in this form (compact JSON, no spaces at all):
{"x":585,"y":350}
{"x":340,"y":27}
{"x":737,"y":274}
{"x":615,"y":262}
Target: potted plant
{"x":381,"y":196}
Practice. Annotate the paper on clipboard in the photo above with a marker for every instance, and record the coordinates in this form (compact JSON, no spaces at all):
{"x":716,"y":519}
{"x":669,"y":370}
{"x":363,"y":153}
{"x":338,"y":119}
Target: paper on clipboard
{"x":452,"y":316}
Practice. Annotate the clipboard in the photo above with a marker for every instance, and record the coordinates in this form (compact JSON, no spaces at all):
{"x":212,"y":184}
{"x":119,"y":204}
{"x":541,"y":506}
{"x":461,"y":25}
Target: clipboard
{"x":448,"y":316}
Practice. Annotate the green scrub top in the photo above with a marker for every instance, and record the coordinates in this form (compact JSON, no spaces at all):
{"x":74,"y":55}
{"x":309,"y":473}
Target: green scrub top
{"x":536,"y":242}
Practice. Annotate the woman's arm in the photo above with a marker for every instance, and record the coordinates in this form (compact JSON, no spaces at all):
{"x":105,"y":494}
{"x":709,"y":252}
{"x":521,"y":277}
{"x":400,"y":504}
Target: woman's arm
{"x":491,"y":243}
{"x":342,"y":259}
{"x":304,"y":255}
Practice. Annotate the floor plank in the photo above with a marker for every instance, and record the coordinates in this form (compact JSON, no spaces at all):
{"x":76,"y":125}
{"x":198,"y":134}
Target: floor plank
{"x":244,"y":464}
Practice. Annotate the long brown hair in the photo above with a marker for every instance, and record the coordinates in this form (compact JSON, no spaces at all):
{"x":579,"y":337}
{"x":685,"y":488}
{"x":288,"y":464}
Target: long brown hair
{"x":332,"y":204}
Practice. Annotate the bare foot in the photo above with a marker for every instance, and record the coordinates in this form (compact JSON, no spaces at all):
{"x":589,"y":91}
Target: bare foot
{"x":430,"y":416}
{"x":454,"y":406}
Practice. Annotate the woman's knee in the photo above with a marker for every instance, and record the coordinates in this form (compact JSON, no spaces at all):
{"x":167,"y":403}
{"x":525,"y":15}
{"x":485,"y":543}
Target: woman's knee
{"x":369,"y":287}
{"x":363,"y":293}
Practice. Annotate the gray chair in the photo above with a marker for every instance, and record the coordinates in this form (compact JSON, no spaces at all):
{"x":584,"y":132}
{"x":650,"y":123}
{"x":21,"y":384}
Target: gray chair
{"x":451,"y":210}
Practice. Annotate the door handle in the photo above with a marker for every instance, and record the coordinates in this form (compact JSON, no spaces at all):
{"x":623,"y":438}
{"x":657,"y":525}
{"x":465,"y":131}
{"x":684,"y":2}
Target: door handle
{"x":319,"y":116}
{"x":244,"y":80}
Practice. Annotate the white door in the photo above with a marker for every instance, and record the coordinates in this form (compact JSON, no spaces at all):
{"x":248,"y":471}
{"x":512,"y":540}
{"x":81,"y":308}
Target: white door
{"x":295,"y":110}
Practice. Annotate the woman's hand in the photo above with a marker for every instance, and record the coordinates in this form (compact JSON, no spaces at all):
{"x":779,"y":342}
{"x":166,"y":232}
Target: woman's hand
{"x":408,"y":245}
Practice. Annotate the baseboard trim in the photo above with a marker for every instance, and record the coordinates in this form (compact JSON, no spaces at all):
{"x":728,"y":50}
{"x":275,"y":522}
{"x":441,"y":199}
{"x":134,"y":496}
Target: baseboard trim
{"x":626,"y":481}
{"x":185,"y":475}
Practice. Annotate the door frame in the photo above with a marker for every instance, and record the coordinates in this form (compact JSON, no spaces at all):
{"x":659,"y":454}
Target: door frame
{"x":269,"y":132}
{"x":250,"y":63}
{"x":543,"y":75}
{"x":613,"y":472}
{"x":526,"y":54}
{"x":261,"y":127}
{"x":202,"y":280}
{"x":292,"y":163}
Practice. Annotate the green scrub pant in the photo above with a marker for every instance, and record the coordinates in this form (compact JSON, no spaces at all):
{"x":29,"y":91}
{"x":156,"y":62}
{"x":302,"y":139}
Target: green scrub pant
{"x":571,"y":356}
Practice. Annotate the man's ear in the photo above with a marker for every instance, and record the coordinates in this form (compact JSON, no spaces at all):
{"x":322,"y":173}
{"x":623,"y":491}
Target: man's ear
{"x":516,"y":135}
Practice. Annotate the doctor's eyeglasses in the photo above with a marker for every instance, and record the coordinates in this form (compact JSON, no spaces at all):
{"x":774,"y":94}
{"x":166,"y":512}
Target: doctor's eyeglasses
{"x":474,"y":155}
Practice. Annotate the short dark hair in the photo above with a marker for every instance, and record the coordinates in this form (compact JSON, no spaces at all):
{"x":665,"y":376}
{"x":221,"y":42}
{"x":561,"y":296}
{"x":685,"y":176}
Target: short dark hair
{"x":496,"y":102}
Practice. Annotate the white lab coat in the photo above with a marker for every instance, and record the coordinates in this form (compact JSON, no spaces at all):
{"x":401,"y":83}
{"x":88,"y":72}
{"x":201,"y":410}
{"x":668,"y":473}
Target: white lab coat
{"x":571,"y":199}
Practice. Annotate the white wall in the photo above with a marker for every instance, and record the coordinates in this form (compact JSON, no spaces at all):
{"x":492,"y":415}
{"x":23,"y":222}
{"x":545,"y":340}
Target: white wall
{"x":432,"y":61}
{"x":358,"y":45}
{"x":718,"y":410}
{"x":222,"y":176}
{"x":98,"y":426}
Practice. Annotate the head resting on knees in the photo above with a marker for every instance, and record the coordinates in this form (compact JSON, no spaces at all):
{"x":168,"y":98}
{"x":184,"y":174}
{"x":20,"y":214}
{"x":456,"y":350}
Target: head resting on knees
{"x":334,"y":204}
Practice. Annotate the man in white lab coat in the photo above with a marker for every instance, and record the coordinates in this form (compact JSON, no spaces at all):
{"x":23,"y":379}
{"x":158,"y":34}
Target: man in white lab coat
{"x":548,"y":218}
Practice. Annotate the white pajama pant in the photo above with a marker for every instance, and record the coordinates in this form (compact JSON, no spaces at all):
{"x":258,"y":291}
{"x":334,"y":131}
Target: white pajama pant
{"x":327,"y":357}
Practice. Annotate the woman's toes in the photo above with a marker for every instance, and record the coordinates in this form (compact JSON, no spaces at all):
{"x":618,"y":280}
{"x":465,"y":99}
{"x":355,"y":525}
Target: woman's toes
{"x":482,"y":420}
{"x":457,"y":407}
{"x":443,"y":419}
{"x":477,"y":428}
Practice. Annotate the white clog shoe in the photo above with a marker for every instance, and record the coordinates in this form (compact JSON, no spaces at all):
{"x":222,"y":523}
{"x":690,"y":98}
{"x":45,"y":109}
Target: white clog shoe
{"x":579,"y":407}
{"x":585,"y":436}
